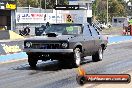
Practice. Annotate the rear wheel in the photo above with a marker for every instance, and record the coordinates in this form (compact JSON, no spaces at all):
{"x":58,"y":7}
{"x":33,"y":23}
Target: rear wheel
{"x":98,"y":56}
{"x":32,"y":61}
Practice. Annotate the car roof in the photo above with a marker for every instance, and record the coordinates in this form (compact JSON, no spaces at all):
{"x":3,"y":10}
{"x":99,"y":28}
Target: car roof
{"x":68,"y":23}
{"x":71,"y":24}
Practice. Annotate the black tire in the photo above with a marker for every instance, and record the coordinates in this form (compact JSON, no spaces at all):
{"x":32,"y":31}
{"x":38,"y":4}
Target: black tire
{"x":73,"y":61}
{"x":76,"y":58}
{"x":62,"y":63}
{"x":32,"y":61}
{"x":98,"y":56}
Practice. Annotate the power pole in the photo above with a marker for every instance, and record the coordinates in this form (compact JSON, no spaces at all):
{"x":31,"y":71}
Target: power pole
{"x":45,"y":6}
{"x":40,"y":6}
{"x":56,"y":12}
{"x":107,"y":11}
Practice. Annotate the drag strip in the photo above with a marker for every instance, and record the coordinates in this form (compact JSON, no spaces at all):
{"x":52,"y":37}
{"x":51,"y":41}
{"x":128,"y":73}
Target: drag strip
{"x":117,"y":59}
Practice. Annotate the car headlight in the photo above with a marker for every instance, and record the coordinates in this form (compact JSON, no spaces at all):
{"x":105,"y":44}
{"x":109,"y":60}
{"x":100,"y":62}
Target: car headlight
{"x":28,"y":44}
{"x":64,"y":45}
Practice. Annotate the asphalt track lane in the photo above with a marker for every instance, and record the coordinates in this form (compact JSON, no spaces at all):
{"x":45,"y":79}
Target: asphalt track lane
{"x":49,"y":75}
{"x":11,"y":57}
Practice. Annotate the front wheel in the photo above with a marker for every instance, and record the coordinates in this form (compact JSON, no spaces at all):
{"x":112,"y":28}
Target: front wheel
{"x":98,"y":56}
{"x":32,"y":61}
{"x":76,"y":60}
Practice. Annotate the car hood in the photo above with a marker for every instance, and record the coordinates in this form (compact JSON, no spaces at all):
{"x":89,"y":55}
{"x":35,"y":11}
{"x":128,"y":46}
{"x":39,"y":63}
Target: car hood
{"x":59,"y":37}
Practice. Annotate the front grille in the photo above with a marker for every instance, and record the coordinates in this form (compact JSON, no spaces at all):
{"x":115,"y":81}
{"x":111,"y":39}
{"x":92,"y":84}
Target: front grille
{"x":46,"y":45}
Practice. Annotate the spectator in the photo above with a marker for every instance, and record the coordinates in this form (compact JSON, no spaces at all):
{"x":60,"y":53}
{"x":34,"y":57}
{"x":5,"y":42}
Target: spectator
{"x":130,"y":21}
{"x":125,"y":26}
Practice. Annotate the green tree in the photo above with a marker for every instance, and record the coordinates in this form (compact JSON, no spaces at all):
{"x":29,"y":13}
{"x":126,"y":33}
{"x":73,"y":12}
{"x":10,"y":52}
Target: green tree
{"x":51,"y":3}
{"x":63,"y":2}
{"x":94,"y":8}
{"x":102,"y":11}
{"x":26,"y":3}
{"x":33,"y":3}
{"x":116,"y":8}
{"x":36,"y":3}
{"x":21,"y":3}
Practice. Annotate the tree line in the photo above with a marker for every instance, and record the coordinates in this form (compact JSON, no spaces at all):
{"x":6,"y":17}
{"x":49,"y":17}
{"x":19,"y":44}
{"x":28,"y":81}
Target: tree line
{"x":116,"y":8}
{"x":37,"y":3}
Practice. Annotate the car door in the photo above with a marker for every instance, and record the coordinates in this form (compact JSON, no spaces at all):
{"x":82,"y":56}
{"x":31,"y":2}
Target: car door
{"x":96,"y":37}
{"x":88,"y":40}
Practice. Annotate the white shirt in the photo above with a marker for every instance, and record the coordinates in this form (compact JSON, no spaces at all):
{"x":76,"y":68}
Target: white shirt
{"x":125,"y":23}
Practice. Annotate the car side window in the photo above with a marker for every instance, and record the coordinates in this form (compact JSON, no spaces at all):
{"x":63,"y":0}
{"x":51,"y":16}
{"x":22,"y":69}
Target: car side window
{"x":90,"y":31}
{"x":86,"y":31}
{"x":95,"y":33}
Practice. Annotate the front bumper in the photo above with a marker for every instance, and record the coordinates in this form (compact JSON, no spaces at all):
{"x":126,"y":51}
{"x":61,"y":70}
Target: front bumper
{"x":49,"y":50}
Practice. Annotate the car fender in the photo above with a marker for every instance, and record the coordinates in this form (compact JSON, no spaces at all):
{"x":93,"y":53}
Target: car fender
{"x":78,"y":44}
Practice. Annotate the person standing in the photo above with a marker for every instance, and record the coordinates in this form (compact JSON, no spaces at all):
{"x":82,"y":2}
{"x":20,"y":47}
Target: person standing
{"x":130,"y":26}
{"x":130,"y":21}
{"x":125,"y":26}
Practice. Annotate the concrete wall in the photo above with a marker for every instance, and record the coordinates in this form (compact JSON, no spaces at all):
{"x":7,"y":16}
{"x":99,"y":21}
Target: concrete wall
{"x":4,"y":34}
{"x":118,"y":21}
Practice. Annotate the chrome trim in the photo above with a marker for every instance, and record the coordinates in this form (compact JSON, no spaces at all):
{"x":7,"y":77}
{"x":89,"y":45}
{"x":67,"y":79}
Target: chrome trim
{"x":49,"y":50}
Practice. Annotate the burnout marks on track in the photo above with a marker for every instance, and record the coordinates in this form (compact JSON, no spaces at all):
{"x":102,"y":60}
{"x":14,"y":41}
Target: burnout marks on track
{"x":44,"y":68}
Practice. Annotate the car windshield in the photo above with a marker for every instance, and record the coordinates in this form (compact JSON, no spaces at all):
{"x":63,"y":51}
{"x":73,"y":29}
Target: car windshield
{"x":64,"y":29}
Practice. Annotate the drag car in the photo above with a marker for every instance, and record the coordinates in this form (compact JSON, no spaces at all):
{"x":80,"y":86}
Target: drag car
{"x":66,"y":42}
